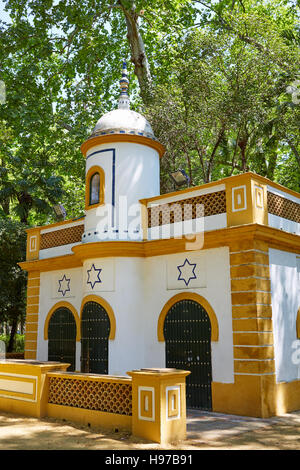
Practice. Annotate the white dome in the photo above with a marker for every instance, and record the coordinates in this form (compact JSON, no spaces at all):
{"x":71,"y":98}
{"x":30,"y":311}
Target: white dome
{"x":123,"y":121}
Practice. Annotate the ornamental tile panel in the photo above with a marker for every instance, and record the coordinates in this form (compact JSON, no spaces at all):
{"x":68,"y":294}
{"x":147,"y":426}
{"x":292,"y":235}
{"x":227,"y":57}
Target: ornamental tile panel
{"x":282,"y":207}
{"x":187,"y":209}
{"x":61,"y":237}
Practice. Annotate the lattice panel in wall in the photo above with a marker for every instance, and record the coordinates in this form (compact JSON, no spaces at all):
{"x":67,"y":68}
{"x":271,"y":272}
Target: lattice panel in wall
{"x":213,"y":204}
{"x":61,"y":237}
{"x":283,"y":207}
{"x":109,"y":397}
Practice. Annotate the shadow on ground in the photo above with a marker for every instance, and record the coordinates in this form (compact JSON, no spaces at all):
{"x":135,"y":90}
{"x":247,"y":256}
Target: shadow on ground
{"x":204,"y":431}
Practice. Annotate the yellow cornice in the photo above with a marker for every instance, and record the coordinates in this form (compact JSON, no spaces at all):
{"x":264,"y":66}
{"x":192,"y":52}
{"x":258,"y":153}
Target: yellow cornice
{"x":108,"y":249}
{"x":51,"y":264}
{"x":109,"y":138}
{"x":56,"y":224}
{"x":275,"y":238}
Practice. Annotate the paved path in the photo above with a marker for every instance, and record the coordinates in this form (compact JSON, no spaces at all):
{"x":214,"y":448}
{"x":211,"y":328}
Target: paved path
{"x":204,"y":431}
{"x":222,"y":431}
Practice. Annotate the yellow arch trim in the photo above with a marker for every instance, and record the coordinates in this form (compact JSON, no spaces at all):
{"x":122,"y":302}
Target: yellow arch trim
{"x":188,"y":296}
{"x":298,"y":324}
{"x":94,"y":169}
{"x":55,"y":307}
{"x":99,"y":300}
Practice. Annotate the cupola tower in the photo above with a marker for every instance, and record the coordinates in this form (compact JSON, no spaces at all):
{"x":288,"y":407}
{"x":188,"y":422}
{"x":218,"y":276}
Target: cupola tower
{"x":122,"y":167}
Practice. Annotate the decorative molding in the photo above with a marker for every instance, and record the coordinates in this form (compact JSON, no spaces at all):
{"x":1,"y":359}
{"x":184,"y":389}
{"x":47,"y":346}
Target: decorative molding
{"x":239,"y":198}
{"x":18,"y":387}
{"x":109,"y":138}
{"x":146,"y":403}
{"x":275,"y":238}
{"x":173,"y":408}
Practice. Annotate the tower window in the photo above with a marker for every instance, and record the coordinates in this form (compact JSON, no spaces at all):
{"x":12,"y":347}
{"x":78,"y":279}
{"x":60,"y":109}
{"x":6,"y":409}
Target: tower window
{"x":94,"y":189}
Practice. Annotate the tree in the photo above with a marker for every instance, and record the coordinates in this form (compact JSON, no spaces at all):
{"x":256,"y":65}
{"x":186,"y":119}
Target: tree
{"x":60,"y":63}
{"x":227,"y":109}
{"x":12,"y":278}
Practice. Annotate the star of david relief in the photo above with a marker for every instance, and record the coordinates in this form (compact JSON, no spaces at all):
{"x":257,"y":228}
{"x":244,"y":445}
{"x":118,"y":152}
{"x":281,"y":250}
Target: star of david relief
{"x":187,"y":272}
{"x":93,"y":276}
{"x":64,"y":285}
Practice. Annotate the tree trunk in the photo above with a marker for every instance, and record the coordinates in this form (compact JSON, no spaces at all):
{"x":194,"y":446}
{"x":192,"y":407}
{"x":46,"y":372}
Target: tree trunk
{"x":13,"y":331}
{"x":242,"y":145}
{"x":138,"y":53}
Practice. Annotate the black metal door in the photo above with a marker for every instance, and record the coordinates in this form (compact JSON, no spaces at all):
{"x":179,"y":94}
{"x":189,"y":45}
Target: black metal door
{"x":95,"y":329}
{"x":62,"y":337}
{"x":187,"y":332}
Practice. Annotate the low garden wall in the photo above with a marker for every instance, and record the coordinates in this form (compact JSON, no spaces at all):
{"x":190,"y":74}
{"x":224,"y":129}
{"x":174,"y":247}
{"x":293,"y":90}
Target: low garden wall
{"x":150,"y":403}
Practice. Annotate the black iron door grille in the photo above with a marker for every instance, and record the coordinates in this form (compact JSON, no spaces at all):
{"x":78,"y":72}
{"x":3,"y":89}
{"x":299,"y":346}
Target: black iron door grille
{"x":95,"y":329}
{"x":62,"y":337}
{"x":187,"y":332}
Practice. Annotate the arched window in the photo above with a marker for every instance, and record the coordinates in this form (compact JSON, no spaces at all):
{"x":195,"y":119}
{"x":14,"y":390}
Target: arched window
{"x":94,"y":192}
{"x":94,"y":189}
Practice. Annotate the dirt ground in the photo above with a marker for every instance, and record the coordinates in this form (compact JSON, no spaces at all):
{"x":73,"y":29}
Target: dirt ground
{"x":205,"y":431}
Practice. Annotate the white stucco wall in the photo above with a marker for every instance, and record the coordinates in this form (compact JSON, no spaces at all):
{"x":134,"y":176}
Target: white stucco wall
{"x":285,"y":287}
{"x":133,"y":175}
{"x":215,"y":288}
{"x":50,"y":295}
{"x":137,"y":289}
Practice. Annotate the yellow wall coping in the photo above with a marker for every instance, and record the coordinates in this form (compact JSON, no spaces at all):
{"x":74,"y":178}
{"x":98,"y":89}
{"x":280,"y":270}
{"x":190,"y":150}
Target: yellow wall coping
{"x":59,"y":225}
{"x":23,"y":364}
{"x":93,"y":377}
{"x":159,"y":373}
{"x":235,"y":178}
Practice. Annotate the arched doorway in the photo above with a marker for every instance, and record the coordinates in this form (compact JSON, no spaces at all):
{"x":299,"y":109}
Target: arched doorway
{"x":95,"y":332}
{"x":62,"y":337}
{"x":187,"y":334}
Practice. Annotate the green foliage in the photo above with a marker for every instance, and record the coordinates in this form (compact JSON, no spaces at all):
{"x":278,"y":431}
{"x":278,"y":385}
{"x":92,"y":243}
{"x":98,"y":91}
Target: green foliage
{"x":60,"y":62}
{"x":12,"y":278}
{"x":226,"y":108}
{"x":19,"y":342}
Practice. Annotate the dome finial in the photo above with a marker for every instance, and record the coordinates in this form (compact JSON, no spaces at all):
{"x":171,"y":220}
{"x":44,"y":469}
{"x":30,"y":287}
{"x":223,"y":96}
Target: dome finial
{"x":124,"y":100}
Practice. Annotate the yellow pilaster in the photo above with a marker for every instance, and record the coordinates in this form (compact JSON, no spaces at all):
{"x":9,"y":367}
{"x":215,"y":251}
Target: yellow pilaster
{"x":159,"y":404}
{"x":254,"y":387}
{"x":32,"y":313}
{"x":246,"y":200}
{"x":33,"y":244}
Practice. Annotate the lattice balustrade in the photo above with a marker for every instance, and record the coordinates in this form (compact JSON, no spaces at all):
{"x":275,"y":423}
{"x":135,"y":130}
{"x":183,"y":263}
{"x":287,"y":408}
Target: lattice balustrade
{"x":187,"y":209}
{"x":61,"y":237}
{"x":283,"y":207}
{"x":109,"y":397}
